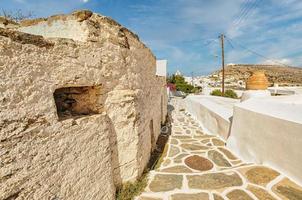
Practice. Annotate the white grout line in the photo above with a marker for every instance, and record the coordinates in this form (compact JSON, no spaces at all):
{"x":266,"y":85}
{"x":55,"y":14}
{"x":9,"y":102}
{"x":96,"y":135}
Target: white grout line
{"x":270,"y":185}
{"x":211,"y":196}
{"x":250,"y":194}
{"x":274,"y":182}
{"x":185,"y":184}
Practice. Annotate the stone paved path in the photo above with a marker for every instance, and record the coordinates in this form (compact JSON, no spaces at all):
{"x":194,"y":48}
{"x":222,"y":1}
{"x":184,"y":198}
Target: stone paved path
{"x":197,"y":166}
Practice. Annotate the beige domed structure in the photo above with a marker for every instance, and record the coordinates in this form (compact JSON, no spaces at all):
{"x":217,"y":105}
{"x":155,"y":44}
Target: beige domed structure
{"x":257,"y":81}
{"x":256,"y":86}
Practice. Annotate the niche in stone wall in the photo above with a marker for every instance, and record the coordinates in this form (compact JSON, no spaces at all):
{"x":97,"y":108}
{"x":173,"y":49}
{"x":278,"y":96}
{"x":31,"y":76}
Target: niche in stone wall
{"x":74,"y":102}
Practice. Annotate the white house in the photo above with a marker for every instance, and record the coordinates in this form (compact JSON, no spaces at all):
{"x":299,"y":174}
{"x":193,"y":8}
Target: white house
{"x":161,"y":67}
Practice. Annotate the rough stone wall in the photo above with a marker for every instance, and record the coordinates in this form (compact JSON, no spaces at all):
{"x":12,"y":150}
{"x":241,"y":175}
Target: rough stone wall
{"x":63,"y":160}
{"x":78,"y":157}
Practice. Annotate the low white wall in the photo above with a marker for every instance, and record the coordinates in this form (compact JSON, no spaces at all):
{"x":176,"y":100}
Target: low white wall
{"x":212,"y":112}
{"x":286,"y":90}
{"x":269,"y":131}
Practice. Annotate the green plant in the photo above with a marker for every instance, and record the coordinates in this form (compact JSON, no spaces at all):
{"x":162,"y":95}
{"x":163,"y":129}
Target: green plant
{"x":216,"y":93}
{"x":130,"y":190}
{"x":195,"y":90}
{"x":181,"y":84}
{"x":227,"y":93}
{"x":184,"y":87}
{"x":231,"y":94}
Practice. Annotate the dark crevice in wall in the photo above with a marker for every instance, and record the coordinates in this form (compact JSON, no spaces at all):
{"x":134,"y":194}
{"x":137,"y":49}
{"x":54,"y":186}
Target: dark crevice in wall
{"x":160,"y":150}
{"x":152,"y":135}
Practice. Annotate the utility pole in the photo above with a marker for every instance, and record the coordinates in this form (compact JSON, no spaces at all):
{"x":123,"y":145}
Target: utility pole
{"x":222,"y":61}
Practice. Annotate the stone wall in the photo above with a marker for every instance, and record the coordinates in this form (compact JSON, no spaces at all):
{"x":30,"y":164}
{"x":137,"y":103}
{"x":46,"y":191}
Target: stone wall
{"x":53,"y":145}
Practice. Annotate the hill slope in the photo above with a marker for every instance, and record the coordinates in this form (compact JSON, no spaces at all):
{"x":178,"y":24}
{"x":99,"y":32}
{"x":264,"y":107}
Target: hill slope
{"x":275,"y":73}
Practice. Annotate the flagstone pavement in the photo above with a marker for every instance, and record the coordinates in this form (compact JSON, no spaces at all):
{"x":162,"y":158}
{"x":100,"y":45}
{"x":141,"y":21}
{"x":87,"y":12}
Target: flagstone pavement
{"x":197,"y":166}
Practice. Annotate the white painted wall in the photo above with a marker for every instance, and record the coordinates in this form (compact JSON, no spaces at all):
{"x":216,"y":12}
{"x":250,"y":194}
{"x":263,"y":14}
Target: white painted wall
{"x":285,"y":90}
{"x":161,"y":67}
{"x":212,"y":112}
{"x":269,"y":131}
{"x":248,"y":94}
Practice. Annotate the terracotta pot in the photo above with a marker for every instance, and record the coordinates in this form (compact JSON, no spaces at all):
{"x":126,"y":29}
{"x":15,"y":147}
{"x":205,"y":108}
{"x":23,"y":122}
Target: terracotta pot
{"x":257,"y":81}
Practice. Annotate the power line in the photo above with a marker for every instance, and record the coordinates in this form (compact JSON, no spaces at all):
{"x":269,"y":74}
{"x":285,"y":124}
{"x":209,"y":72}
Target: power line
{"x":230,"y":43}
{"x":254,"y":52}
{"x":210,"y":42}
{"x":205,"y":44}
{"x":247,"y":13}
{"x":230,"y":61}
{"x":241,"y":12}
{"x":248,"y":10}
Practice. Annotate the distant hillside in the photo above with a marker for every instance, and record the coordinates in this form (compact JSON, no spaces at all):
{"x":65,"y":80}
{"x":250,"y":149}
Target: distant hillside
{"x":275,"y":73}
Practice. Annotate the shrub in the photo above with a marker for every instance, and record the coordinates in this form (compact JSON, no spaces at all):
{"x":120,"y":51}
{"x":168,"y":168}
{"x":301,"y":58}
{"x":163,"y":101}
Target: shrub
{"x":231,"y":94}
{"x":181,"y":84}
{"x":184,"y":87}
{"x":227,"y":93}
{"x":216,"y":93}
{"x":195,"y":90}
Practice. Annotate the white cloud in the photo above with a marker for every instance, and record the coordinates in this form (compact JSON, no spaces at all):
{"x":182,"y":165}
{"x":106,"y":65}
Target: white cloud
{"x":284,"y":61}
{"x":274,"y":31}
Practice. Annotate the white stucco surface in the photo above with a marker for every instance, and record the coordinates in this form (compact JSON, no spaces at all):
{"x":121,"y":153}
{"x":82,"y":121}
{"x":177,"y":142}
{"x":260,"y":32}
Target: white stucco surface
{"x":71,"y":29}
{"x":161,"y":68}
{"x":248,"y":94}
{"x":269,"y":131}
{"x":285,"y":90}
{"x":212,"y":112}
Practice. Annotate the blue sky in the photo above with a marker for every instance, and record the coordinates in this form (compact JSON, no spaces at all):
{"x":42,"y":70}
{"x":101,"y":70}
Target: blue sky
{"x":185,"y":32}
